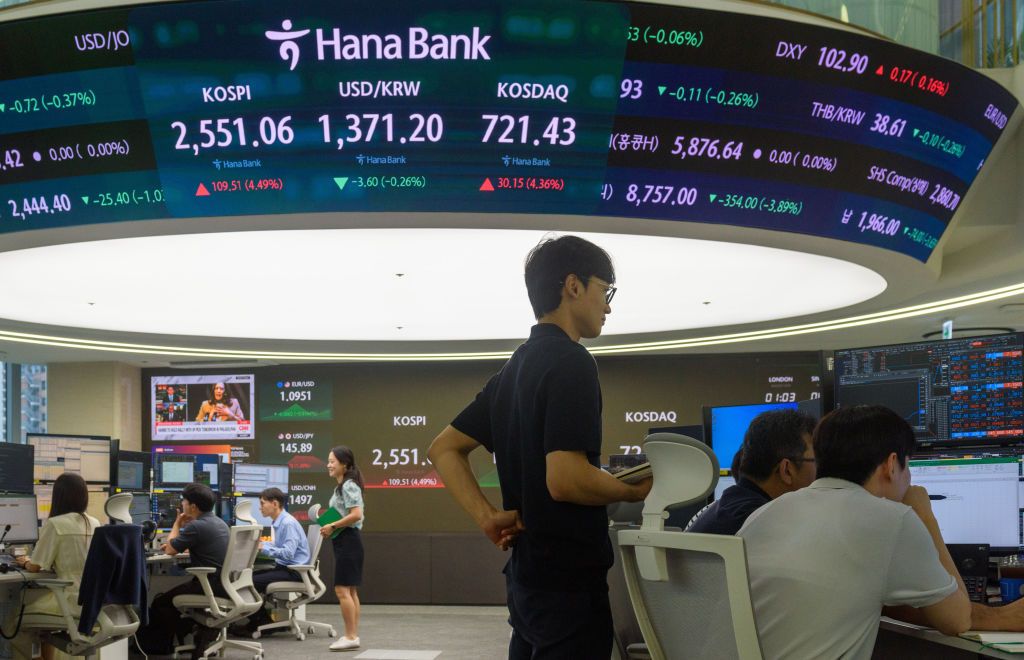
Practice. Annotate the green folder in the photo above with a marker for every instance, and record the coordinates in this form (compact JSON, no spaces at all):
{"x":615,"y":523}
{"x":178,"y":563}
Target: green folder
{"x":329,"y":516}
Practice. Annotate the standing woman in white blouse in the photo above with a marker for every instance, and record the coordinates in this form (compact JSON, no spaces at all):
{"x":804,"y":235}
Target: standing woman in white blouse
{"x":348,"y":544}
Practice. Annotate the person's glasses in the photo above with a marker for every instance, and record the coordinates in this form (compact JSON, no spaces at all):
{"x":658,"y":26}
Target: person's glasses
{"x":803,"y":459}
{"x":609,"y":291}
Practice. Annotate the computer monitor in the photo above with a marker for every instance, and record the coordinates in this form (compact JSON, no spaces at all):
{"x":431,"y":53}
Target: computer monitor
{"x":16,"y":465}
{"x":166,"y":505}
{"x":86,"y":455}
{"x":132,"y":471}
{"x":953,"y":392}
{"x":252,"y":478}
{"x":975,"y":499}
{"x":726,"y":426}
{"x":19,"y":511}
{"x":264,"y":521}
{"x":174,"y":469}
{"x":141,"y":508}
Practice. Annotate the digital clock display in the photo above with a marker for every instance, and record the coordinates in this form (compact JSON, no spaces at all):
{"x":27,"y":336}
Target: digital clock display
{"x":252,"y":107}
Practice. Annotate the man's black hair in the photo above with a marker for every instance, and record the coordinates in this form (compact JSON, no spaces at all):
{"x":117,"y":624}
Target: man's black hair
{"x":850,"y":443}
{"x":274,"y":494}
{"x":200,"y":495}
{"x":553,"y":260}
{"x":771,"y":437}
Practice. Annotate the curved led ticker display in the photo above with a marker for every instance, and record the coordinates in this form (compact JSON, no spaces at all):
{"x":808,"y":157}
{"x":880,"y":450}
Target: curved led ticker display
{"x":246,"y":107}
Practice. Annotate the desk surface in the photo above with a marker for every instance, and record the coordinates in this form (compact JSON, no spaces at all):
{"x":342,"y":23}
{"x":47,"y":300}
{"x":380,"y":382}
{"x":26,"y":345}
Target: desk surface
{"x":933,"y":636}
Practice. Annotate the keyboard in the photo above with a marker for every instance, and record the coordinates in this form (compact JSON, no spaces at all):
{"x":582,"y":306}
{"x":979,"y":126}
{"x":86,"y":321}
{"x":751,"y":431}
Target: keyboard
{"x":976,"y":585}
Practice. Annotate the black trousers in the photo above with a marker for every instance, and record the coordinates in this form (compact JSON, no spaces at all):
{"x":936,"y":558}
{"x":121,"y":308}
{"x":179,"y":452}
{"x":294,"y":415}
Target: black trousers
{"x":166,"y":622}
{"x":279,"y":573}
{"x":558,"y":625}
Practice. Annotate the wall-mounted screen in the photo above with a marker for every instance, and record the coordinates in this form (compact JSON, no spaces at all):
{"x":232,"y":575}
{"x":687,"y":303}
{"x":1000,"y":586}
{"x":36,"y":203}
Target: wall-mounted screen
{"x":16,"y":466}
{"x":216,"y":407}
{"x":625,"y":109}
{"x":952,"y":392}
{"x":55,"y":454}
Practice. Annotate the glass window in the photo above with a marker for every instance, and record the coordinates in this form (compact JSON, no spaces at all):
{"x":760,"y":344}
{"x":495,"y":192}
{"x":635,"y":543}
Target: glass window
{"x":33,"y":398}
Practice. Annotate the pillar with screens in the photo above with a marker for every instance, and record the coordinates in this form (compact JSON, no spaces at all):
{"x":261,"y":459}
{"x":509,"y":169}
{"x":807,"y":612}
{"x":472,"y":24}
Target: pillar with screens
{"x":86,"y":455}
{"x":964,"y":398}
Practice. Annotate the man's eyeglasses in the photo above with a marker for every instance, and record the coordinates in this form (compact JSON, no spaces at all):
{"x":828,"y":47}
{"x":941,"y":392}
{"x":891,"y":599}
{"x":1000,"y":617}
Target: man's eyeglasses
{"x":803,"y":459}
{"x":609,"y":290}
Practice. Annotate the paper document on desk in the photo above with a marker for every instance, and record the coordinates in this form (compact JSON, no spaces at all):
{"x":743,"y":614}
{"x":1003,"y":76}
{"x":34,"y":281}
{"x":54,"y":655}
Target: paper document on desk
{"x":1008,"y":642}
{"x":634,"y":474}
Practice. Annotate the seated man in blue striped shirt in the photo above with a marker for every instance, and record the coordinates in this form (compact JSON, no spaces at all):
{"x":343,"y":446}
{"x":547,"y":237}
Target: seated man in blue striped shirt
{"x":289,"y":548}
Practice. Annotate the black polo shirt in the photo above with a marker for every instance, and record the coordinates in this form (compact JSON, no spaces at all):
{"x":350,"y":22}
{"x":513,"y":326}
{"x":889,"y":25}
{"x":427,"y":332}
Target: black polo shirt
{"x":546,"y":398}
{"x":206,"y":539}
{"x":730,"y":511}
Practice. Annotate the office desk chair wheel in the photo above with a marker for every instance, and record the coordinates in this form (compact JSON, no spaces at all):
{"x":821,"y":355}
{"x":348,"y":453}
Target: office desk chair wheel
{"x":331,"y":632}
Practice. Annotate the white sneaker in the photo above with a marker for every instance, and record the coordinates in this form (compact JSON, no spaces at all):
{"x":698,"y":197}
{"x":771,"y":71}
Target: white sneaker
{"x":345,"y":644}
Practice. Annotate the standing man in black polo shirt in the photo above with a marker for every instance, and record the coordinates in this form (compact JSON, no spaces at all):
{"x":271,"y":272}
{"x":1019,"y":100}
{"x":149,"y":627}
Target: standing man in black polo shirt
{"x":541,"y":418}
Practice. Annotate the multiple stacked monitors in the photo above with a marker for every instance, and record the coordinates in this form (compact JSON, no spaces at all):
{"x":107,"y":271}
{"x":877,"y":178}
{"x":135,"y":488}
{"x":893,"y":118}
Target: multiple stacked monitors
{"x":211,"y":407}
{"x":16,"y":465}
{"x":957,"y":392}
{"x":19,"y":511}
{"x":88,"y":456}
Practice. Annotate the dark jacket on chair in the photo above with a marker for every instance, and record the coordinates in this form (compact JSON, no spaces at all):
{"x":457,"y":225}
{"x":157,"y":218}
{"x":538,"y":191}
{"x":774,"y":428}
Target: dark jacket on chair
{"x":115,"y":572}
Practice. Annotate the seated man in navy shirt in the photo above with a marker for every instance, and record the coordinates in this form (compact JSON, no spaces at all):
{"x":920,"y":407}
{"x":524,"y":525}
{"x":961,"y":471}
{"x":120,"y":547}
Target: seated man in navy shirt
{"x":776,"y":457}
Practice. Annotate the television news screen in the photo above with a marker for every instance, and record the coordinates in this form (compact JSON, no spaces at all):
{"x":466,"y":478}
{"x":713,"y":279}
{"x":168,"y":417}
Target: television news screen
{"x":953,"y":392}
{"x":208,"y":407}
{"x":16,"y":465}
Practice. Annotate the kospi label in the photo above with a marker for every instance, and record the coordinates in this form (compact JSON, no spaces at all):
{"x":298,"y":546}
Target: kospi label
{"x":410,"y":420}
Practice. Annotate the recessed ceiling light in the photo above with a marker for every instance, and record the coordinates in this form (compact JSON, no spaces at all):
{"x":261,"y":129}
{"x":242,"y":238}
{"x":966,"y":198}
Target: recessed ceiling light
{"x":342,"y":285}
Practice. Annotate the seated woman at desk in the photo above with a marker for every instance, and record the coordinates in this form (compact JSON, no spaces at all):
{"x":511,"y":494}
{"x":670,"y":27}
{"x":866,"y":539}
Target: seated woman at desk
{"x":62,"y":547}
{"x":220,"y":408}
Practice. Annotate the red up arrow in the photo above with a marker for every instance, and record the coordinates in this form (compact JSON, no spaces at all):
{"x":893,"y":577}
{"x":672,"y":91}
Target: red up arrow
{"x":201,"y":191}
{"x":486,"y":186}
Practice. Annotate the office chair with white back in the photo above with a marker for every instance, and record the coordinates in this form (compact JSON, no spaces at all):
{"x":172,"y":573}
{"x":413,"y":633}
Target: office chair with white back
{"x":243,"y":513}
{"x":241,"y":598}
{"x":690,"y":591}
{"x":293,"y":596}
{"x":75,"y":631}
{"x":119,"y":508}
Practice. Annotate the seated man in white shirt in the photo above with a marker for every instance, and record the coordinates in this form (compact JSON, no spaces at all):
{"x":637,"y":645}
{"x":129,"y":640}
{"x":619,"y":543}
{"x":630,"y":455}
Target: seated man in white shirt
{"x":824,"y":560}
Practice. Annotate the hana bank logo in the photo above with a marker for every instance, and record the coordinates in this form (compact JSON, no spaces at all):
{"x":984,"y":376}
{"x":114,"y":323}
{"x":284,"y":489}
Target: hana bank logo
{"x":289,"y":50}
